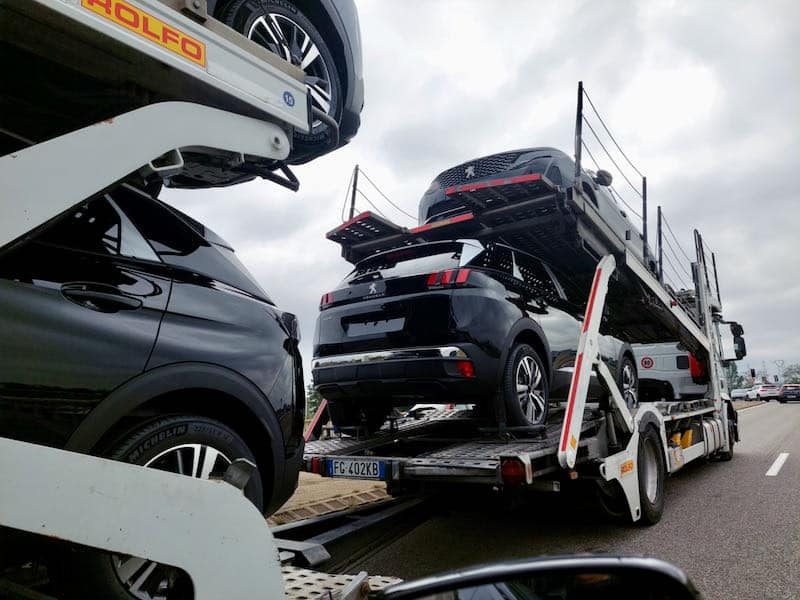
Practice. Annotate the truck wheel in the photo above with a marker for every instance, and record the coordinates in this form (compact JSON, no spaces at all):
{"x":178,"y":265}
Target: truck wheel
{"x":611,"y":500}
{"x":190,"y":445}
{"x":347,"y":415}
{"x":524,"y":387}
{"x":728,"y":455}
{"x":652,"y":476}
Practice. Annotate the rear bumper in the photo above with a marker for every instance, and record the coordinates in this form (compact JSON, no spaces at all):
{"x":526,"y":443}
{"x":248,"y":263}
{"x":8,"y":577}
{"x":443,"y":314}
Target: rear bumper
{"x":405,"y":375}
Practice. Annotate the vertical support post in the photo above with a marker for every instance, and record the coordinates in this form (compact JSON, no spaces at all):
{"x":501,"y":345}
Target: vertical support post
{"x":645,"y":251}
{"x":588,"y":354}
{"x":660,"y":248}
{"x":312,"y":427}
{"x":716,"y":278}
{"x":353,"y":194}
{"x":579,"y":132}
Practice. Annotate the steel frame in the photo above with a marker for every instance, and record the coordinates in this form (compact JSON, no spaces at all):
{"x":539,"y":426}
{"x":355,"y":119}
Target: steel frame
{"x":44,"y":180}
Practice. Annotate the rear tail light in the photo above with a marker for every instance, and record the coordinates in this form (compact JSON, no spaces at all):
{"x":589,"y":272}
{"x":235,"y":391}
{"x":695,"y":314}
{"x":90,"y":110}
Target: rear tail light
{"x":465,"y":368}
{"x":326,"y":300}
{"x":515,"y":472}
{"x":449,"y":277}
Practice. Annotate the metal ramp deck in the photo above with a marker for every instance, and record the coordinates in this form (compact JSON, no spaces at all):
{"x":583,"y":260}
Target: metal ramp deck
{"x":452,"y":445}
{"x":81,"y":62}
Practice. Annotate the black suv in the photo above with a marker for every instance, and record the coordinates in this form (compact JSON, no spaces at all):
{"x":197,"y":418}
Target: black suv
{"x":131,"y":331}
{"x":453,"y":321}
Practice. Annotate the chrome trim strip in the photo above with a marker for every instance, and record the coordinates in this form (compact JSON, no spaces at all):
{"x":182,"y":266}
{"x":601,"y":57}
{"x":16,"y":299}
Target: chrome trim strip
{"x":449,"y":352}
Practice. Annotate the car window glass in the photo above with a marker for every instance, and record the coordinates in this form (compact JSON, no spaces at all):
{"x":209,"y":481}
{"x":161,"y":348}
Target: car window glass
{"x":99,"y":226}
{"x":413,"y":260}
{"x":168,"y":235}
{"x":180,"y":244}
{"x":682,"y":361}
{"x":554,"y":175}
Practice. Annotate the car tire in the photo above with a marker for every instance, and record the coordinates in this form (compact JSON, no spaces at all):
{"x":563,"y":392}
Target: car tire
{"x":525,"y":369}
{"x":652,"y":471}
{"x":628,"y":382}
{"x":167,"y":444}
{"x":348,"y":416}
{"x":269,"y":23}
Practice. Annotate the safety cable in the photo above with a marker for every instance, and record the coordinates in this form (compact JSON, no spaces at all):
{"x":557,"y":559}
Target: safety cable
{"x":377,"y":210}
{"x":614,"y":191}
{"x":362,"y":172}
{"x":608,"y":131}
{"x":611,"y":158}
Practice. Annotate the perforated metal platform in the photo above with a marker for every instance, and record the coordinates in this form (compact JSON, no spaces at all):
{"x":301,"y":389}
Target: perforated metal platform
{"x":305,"y":584}
{"x":453,"y":445}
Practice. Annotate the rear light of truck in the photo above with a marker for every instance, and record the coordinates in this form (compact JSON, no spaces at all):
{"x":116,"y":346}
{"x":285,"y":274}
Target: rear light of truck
{"x":449,"y":277}
{"x":515,"y":472}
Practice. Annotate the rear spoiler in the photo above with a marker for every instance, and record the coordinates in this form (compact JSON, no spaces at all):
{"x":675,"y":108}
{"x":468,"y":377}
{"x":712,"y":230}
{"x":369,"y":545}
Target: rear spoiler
{"x":488,"y":206}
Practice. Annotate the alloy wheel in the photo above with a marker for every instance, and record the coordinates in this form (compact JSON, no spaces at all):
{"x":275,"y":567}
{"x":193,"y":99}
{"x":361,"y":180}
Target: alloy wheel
{"x":629,"y":389}
{"x":148,"y":580}
{"x":530,"y":389}
{"x":282,"y":36}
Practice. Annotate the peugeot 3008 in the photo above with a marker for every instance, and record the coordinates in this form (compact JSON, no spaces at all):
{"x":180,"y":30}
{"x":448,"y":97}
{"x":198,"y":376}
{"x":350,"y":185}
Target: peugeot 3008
{"x":448,"y":322}
{"x":133,"y":332}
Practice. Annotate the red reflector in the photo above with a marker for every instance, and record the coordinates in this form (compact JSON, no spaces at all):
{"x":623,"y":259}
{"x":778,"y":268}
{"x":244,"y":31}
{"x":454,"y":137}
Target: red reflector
{"x":465,"y":368}
{"x":463,"y":275}
{"x":433,"y":279}
{"x":447,"y":276}
{"x":315,"y":465}
{"x":696,"y":368}
{"x":326,"y":300}
{"x":513,"y":471}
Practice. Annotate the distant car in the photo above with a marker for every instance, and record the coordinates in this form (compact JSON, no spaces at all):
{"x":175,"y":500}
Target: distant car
{"x":551,"y":163}
{"x":739,"y":394}
{"x":321,"y":37}
{"x":454,"y":321}
{"x":789,"y":391}
{"x":762,"y":391}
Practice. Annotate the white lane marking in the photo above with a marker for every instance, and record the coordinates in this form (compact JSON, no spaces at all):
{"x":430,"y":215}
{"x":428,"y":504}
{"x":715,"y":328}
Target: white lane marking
{"x":776,"y":466}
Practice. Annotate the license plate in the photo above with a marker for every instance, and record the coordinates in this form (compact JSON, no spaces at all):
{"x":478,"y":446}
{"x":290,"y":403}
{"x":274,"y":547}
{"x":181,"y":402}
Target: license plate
{"x":356,"y":468}
{"x":376,"y":327}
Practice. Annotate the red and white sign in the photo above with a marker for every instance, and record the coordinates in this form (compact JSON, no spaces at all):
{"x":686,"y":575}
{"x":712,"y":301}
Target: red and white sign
{"x":647,"y":362}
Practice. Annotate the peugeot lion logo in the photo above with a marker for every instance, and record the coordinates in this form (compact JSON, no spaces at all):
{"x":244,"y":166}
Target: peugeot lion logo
{"x":469,"y":171}
{"x":373,"y":289}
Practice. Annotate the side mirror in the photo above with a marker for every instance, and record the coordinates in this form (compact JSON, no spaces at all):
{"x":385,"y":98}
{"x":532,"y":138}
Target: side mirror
{"x":739,"y":347}
{"x":564,"y":578}
{"x":603,"y":177}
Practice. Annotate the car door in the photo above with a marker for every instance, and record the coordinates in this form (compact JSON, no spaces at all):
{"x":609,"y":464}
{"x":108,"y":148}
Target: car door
{"x":546,"y":305}
{"x":80,"y":307}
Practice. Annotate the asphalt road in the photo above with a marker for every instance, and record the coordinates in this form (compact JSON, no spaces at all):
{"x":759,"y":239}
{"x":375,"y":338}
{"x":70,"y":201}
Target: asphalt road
{"x":734,"y":530}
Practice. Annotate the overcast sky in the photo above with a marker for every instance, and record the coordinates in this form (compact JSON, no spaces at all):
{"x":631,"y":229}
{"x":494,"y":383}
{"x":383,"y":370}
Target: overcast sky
{"x":703,"y":96}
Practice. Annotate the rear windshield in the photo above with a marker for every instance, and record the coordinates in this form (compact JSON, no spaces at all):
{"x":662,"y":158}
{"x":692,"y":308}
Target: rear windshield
{"x":413,"y":260}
